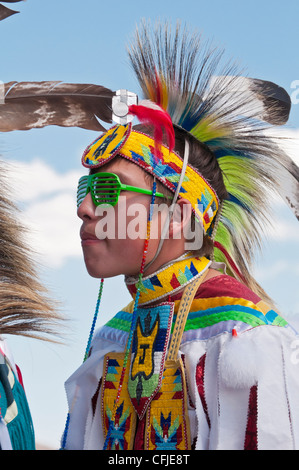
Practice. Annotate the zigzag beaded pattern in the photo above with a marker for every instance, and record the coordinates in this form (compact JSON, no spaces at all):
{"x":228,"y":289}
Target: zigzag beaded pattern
{"x":140,"y":149}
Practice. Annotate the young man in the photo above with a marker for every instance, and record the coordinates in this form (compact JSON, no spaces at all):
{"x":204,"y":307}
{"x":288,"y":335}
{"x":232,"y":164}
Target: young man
{"x":199,"y":359}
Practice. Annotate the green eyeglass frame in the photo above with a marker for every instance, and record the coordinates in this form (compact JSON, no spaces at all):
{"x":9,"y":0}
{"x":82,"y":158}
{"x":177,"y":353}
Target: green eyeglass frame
{"x":105,"y":188}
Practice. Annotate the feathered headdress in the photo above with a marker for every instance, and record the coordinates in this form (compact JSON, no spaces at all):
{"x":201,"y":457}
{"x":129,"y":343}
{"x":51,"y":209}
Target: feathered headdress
{"x":230,"y":114}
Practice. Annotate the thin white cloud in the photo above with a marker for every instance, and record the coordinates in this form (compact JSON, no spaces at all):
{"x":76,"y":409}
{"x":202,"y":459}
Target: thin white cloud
{"x":36,"y":179}
{"x":283,"y":230}
{"x":289,"y":141}
{"x":48,"y":201}
{"x":54,"y":229}
{"x":278,"y":268}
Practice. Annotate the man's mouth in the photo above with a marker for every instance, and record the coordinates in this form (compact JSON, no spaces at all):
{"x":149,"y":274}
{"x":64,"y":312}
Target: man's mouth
{"x":88,"y":238}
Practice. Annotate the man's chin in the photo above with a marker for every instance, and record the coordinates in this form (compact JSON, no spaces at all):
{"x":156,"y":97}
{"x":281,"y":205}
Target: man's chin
{"x":98,"y":271}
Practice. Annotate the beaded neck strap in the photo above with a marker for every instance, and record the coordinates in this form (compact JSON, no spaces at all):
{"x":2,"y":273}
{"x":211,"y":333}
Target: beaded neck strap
{"x":167,"y":280}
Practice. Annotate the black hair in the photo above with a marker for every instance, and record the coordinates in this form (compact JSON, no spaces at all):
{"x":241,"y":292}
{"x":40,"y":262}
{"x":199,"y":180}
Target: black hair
{"x":204,"y":161}
{"x":200,"y":157}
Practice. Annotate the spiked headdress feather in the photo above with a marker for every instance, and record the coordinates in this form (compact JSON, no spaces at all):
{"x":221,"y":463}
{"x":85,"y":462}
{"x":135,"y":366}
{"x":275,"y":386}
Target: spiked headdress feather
{"x":230,"y":114}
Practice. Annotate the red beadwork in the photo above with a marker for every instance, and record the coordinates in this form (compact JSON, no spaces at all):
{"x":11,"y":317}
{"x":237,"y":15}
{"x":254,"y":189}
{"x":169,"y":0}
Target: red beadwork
{"x":200,"y":372}
{"x":251,"y":429}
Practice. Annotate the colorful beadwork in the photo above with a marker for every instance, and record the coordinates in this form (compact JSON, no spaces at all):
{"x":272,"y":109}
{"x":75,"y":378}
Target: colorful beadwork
{"x":106,"y":146}
{"x":167,"y":423}
{"x":168,"y":280}
{"x":119,"y":421}
{"x":208,"y":312}
{"x":167,"y":418}
{"x":95,"y":317}
{"x":149,"y":348}
{"x":140,"y":149}
{"x":151,"y":377}
{"x":14,"y":410}
{"x":223,"y":304}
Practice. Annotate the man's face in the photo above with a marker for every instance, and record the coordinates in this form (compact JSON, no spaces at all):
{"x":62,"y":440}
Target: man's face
{"x":113,"y":238}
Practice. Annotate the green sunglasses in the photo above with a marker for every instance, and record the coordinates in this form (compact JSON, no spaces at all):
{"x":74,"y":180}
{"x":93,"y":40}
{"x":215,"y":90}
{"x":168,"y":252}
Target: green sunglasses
{"x":105,"y":188}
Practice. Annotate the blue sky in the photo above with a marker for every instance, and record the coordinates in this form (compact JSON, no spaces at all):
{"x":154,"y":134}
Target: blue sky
{"x":84,"y":41}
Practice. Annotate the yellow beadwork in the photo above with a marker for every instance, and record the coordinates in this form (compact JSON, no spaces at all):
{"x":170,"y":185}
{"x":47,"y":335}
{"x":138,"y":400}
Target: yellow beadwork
{"x":144,"y":362}
{"x":140,"y":149}
{"x":168,"y":280}
{"x":124,"y":416}
{"x":167,"y":418}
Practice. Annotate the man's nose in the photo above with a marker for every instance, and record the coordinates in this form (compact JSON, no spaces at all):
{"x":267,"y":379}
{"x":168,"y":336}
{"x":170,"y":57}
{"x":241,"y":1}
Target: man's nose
{"x":87,"y":208}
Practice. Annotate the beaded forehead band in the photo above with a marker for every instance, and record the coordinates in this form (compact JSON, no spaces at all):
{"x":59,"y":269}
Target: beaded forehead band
{"x":167,"y":166}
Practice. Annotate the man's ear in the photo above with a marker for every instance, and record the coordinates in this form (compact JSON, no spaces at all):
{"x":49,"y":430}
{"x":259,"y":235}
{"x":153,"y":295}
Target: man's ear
{"x":180,"y":219}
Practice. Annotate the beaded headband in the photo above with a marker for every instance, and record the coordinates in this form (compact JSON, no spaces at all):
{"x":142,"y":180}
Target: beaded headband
{"x":139,"y":148}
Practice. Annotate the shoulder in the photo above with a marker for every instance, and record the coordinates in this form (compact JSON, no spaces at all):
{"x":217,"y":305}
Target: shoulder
{"x":226,"y":286}
{"x":116,"y":330}
{"x":223,"y":304}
